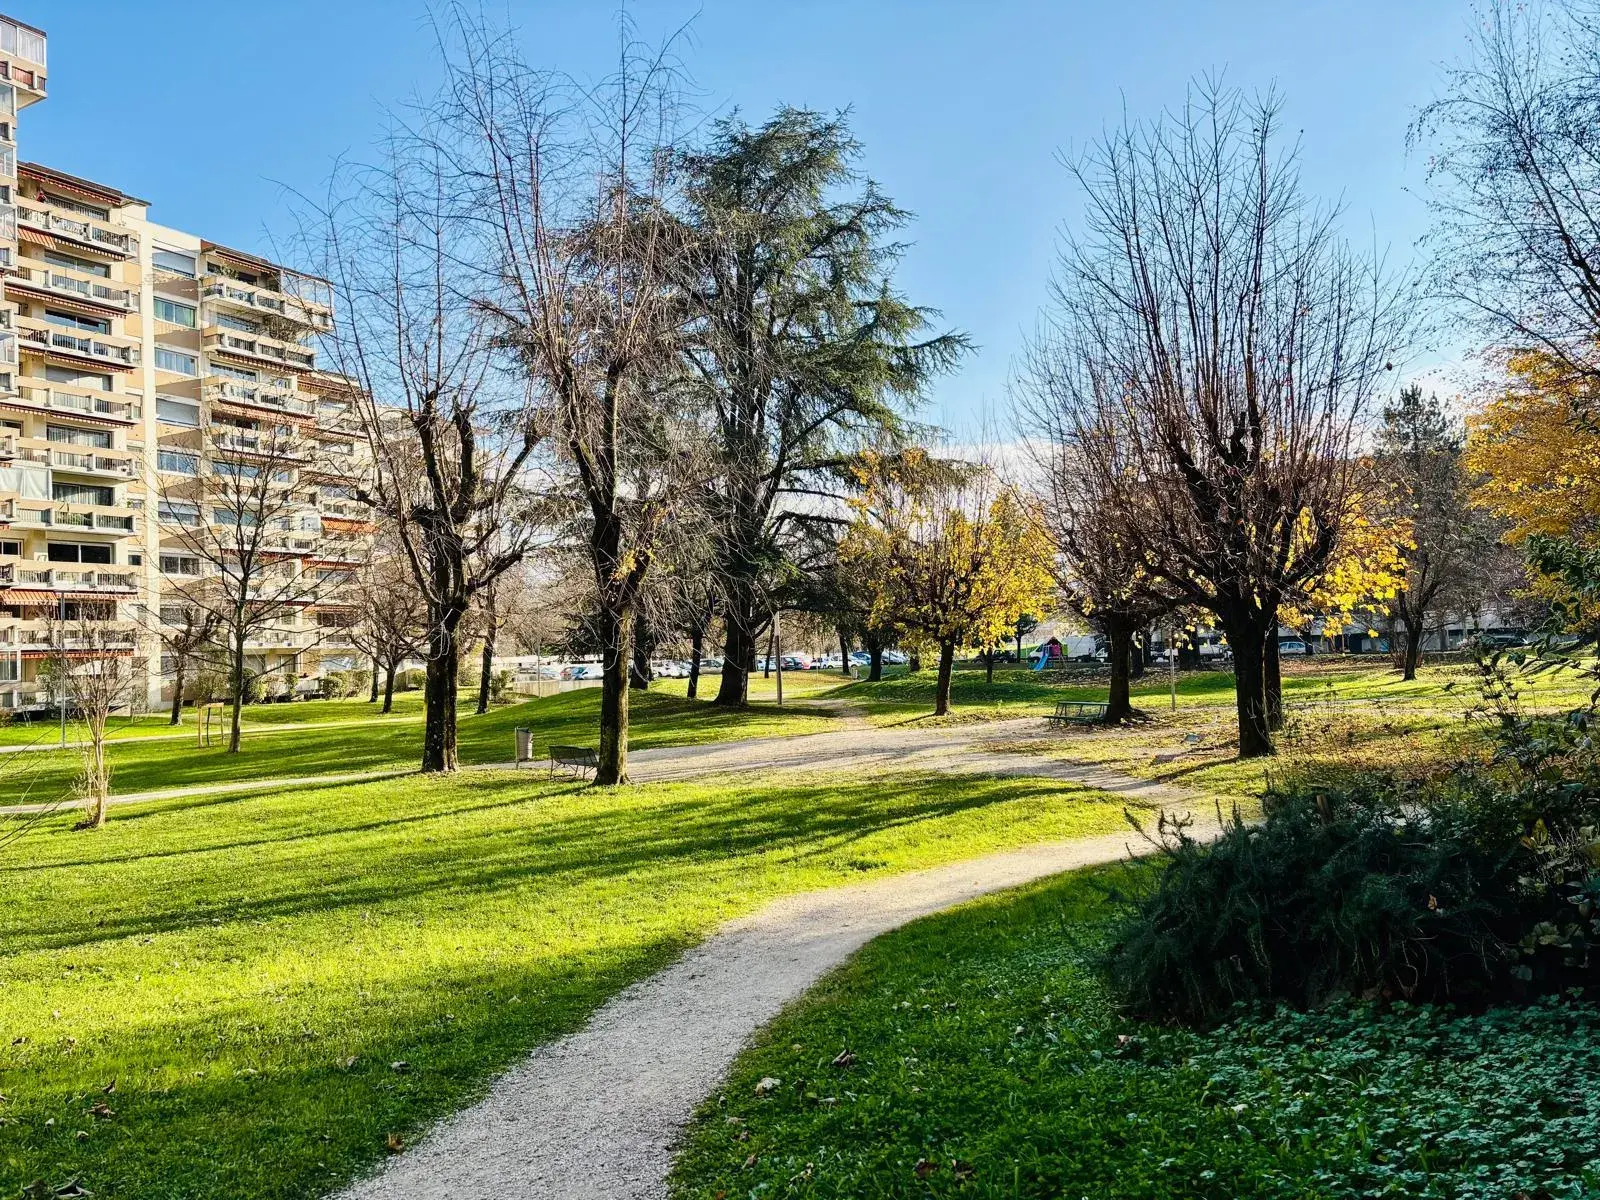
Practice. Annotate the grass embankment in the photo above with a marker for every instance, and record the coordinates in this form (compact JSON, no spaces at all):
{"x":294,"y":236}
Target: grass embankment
{"x":983,"y":1059}
{"x":234,"y":980}
{"x":141,"y":765}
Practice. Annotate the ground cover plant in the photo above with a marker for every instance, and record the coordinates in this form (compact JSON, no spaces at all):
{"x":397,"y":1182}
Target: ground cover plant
{"x":978,"y":1054}
{"x":235,"y":980}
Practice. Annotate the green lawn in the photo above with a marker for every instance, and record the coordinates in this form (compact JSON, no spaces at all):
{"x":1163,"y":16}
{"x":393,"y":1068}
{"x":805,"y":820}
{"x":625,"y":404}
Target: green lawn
{"x":45,"y":732}
{"x":234,"y":980}
{"x":1338,"y":679}
{"x":140,"y":765}
{"x":981,"y":1058}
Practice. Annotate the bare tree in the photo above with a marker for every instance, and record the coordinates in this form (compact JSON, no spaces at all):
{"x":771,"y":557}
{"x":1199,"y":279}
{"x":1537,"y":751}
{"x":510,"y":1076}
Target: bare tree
{"x":572,"y":187}
{"x":188,"y":635}
{"x":1078,"y":465}
{"x":1234,"y":342}
{"x":452,"y":433}
{"x":1514,"y":161}
{"x":95,"y":669}
{"x":240,"y":525}
{"x":391,"y":616}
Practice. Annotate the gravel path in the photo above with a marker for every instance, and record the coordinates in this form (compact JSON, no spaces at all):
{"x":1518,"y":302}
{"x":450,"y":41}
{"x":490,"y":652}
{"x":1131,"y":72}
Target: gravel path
{"x":598,"y":1114}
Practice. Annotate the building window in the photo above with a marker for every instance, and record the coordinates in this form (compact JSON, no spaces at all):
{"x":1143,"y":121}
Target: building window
{"x":177,"y":412}
{"x":73,"y":321}
{"x":178,"y":512}
{"x":73,"y":263}
{"x":136,"y":560}
{"x":177,"y":463}
{"x":174,"y":313}
{"x":68,"y":552}
{"x":83,"y":379}
{"x":72,"y":436}
{"x":70,"y":204}
{"x":12,"y":548}
{"x":178,"y":364}
{"x":82,"y":493}
{"x":180,"y":564}
{"x":174,"y":262}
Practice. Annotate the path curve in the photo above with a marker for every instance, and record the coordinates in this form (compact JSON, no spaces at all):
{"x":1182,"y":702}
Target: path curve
{"x":599,"y":1113}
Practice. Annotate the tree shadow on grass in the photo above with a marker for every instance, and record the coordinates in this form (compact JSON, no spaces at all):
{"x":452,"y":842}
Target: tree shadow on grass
{"x":578,"y":838}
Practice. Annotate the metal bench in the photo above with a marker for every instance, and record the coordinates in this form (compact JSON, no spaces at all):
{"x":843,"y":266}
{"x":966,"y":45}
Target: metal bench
{"x":579,"y":760}
{"x":1077,"y":712}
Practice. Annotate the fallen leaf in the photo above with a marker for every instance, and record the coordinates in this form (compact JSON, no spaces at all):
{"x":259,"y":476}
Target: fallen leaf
{"x":102,"y":1111}
{"x":394,"y":1143}
{"x":750,"y":1162}
{"x":924,"y":1168}
{"x":400,"y":1068}
{"x":845,"y":1058}
{"x":109,"y":1088}
{"x":963,"y":1171}
{"x":768,"y":1085}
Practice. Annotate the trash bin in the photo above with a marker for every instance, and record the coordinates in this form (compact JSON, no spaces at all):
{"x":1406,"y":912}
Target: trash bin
{"x":524,"y":745}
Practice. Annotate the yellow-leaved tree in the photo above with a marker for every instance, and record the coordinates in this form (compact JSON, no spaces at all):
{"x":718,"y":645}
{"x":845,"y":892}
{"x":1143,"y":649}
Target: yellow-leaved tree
{"x":1534,"y":454}
{"x":954,"y":558}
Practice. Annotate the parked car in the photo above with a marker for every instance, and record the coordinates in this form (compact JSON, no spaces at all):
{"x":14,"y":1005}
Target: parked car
{"x":1293,"y":646}
{"x":860,"y":658}
{"x":711,"y":664}
{"x":1501,"y":639}
{"x":583,"y":671}
{"x":895,"y":658}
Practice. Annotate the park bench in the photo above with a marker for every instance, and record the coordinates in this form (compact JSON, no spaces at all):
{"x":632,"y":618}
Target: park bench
{"x":579,"y":760}
{"x":1077,"y":712}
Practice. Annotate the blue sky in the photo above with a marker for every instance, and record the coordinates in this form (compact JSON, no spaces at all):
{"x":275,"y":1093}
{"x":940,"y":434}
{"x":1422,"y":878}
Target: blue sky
{"x":963,"y":108}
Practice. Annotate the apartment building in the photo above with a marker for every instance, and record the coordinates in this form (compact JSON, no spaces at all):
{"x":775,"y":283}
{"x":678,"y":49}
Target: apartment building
{"x":137,"y":363}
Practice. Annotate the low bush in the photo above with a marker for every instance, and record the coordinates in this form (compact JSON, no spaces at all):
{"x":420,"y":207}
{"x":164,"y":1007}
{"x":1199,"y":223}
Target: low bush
{"x":1476,"y":888}
{"x":335,"y":685}
{"x":412,"y":680}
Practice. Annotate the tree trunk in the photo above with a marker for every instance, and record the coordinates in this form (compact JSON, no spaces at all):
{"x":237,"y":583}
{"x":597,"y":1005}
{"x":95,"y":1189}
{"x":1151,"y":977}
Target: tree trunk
{"x":639,"y":677}
{"x":1413,"y":654}
{"x":372,"y":697}
{"x":238,"y":689}
{"x":1248,"y":641}
{"x":485,"y":671}
{"x":177,"y":692}
{"x":1272,"y":673}
{"x":388,"y":682}
{"x":844,"y":652}
{"x":616,"y":633}
{"x":988,"y":665}
{"x":916,"y":661}
{"x":697,"y":641}
{"x":439,"y":692}
{"x":874,"y":662}
{"x":1019,"y":648}
{"x":1119,"y":649}
{"x":739,"y":647}
{"x":941,"y":695}
{"x":1136,"y":657}
{"x":98,"y":781}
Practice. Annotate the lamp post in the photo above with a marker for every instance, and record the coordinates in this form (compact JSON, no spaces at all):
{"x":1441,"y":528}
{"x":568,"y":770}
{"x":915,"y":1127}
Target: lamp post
{"x":61,"y":662}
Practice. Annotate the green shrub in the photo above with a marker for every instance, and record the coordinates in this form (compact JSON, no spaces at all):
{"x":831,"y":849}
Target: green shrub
{"x":255,"y":688}
{"x":500,"y":687}
{"x":412,"y":680}
{"x":335,"y":685}
{"x":1476,"y":889}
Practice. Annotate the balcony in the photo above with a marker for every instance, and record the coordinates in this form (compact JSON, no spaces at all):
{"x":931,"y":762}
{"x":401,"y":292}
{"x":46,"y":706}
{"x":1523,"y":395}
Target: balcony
{"x":82,"y":404}
{"x":230,"y":293}
{"x":80,"y":462}
{"x":39,"y":338}
{"x":67,"y":579}
{"x":74,"y":287}
{"x":77,"y":519}
{"x":96,"y":237}
{"x":259,"y":349}
{"x":256,"y":396}
{"x":17,"y":41}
